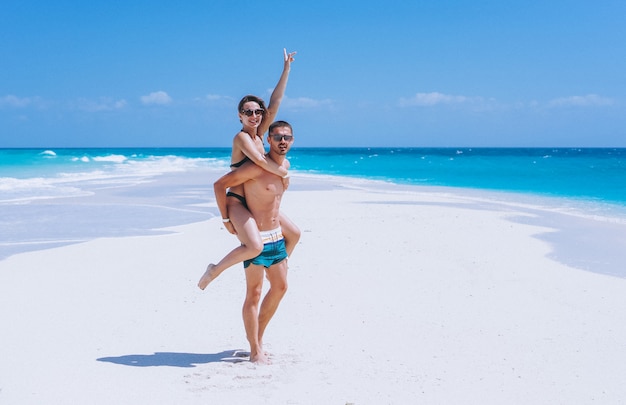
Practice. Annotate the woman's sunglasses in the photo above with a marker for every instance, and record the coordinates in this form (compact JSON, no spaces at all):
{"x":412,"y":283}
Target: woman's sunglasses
{"x":248,"y":113}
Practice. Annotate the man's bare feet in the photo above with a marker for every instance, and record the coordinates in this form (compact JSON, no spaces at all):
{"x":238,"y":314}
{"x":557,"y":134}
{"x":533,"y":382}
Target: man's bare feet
{"x":260,"y":358}
{"x":265,"y":352}
{"x":208,"y":276}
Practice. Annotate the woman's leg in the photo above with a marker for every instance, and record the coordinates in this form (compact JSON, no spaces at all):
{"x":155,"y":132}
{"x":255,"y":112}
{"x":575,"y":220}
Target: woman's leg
{"x":247,"y":232}
{"x":291,"y":232}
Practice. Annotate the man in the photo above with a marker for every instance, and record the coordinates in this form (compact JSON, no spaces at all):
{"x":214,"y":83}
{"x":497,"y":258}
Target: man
{"x":263,"y":194}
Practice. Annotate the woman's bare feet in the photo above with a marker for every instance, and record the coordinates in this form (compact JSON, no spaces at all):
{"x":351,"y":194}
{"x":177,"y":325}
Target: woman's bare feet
{"x":209,"y":275}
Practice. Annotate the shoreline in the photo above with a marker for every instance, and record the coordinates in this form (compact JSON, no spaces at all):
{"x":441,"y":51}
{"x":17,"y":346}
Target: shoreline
{"x":568,"y":216}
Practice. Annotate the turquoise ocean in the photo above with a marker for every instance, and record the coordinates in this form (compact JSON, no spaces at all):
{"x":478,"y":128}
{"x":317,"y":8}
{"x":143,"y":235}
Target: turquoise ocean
{"x":51,"y":197}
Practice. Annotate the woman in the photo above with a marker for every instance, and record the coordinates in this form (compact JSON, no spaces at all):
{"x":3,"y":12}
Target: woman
{"x":248,"y":145}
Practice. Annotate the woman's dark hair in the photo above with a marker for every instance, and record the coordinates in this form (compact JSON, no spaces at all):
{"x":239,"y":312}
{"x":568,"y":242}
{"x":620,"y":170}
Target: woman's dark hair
{"x":250,"y":97}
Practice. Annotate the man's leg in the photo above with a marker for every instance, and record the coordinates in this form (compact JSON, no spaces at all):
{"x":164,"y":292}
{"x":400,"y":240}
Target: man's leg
{"x":277,"y":276}
{"x":254,"y":286}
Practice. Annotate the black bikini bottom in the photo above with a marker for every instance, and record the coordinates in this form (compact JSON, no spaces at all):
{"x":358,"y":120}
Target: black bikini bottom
{"x":242,"y":199}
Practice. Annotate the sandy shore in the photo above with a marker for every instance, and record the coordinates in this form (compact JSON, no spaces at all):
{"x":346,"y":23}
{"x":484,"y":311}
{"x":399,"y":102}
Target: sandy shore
{"x":396,"y":297}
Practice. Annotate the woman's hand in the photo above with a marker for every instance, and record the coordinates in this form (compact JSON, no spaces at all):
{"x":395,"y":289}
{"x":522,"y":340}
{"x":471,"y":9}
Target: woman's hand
{"x":230,"y":228}
{"x":289,"y":57}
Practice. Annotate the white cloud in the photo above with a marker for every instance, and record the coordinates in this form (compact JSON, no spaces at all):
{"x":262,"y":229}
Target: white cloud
{"x":158,"y":97}
{"x":299,"y":102}
{"x":216,"y":99}
{"x":435,"y":98}
{"x":581,"y":101}
{"x":14,"y":101}
{"x":102,"y":104}
{"x":305,"y":102}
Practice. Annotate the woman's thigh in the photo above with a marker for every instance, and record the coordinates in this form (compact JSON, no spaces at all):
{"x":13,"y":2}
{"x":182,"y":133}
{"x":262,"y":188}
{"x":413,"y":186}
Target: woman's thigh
{"x":244,"y":223}
{"x":290,"y":230}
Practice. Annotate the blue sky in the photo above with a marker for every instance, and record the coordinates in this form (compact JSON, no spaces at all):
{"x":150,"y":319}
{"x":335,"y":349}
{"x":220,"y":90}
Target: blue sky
{"x":367,"y":73}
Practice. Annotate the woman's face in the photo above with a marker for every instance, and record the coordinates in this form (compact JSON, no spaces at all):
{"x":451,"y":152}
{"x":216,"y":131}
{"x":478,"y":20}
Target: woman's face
{"x":251,"y":114}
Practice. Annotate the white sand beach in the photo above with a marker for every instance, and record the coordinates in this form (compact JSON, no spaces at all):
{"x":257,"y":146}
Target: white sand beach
{"x":399,"y":295}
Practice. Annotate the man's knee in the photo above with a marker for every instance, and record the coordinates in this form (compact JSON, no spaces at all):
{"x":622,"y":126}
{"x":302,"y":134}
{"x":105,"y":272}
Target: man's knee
{"x":279,"y":285}
{"x":253,"y":295}
{"x":282,"y":287}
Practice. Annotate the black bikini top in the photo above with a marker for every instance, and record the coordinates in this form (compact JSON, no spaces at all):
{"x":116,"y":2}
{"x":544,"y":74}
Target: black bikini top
{"x":241,"y":162}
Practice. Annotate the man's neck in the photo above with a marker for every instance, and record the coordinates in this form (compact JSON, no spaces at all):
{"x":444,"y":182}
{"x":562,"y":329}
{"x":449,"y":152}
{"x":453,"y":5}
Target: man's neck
{"x":279,"y":159}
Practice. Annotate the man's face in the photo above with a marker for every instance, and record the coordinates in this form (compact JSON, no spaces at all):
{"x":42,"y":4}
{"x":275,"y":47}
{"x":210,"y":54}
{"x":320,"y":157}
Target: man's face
{"x":280,"y":140}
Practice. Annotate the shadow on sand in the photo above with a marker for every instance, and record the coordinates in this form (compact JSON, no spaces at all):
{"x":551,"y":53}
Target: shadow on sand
{"x":171,"y":359}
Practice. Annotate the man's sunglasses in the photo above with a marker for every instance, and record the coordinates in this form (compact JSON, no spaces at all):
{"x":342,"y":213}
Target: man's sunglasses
{"x":249,"y":113}
{"x":279,"y":137}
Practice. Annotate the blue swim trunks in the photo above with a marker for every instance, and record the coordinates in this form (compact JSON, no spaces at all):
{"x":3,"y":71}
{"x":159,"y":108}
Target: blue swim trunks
{"x":274,"y":250}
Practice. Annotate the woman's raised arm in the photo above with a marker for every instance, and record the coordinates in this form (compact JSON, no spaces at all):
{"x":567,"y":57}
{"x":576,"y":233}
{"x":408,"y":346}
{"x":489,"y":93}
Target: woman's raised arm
{"x":277,"y":94}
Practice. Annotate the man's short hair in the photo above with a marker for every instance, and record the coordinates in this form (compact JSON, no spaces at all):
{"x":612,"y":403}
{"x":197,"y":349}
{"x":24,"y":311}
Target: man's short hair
{"x":280,"y":124}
